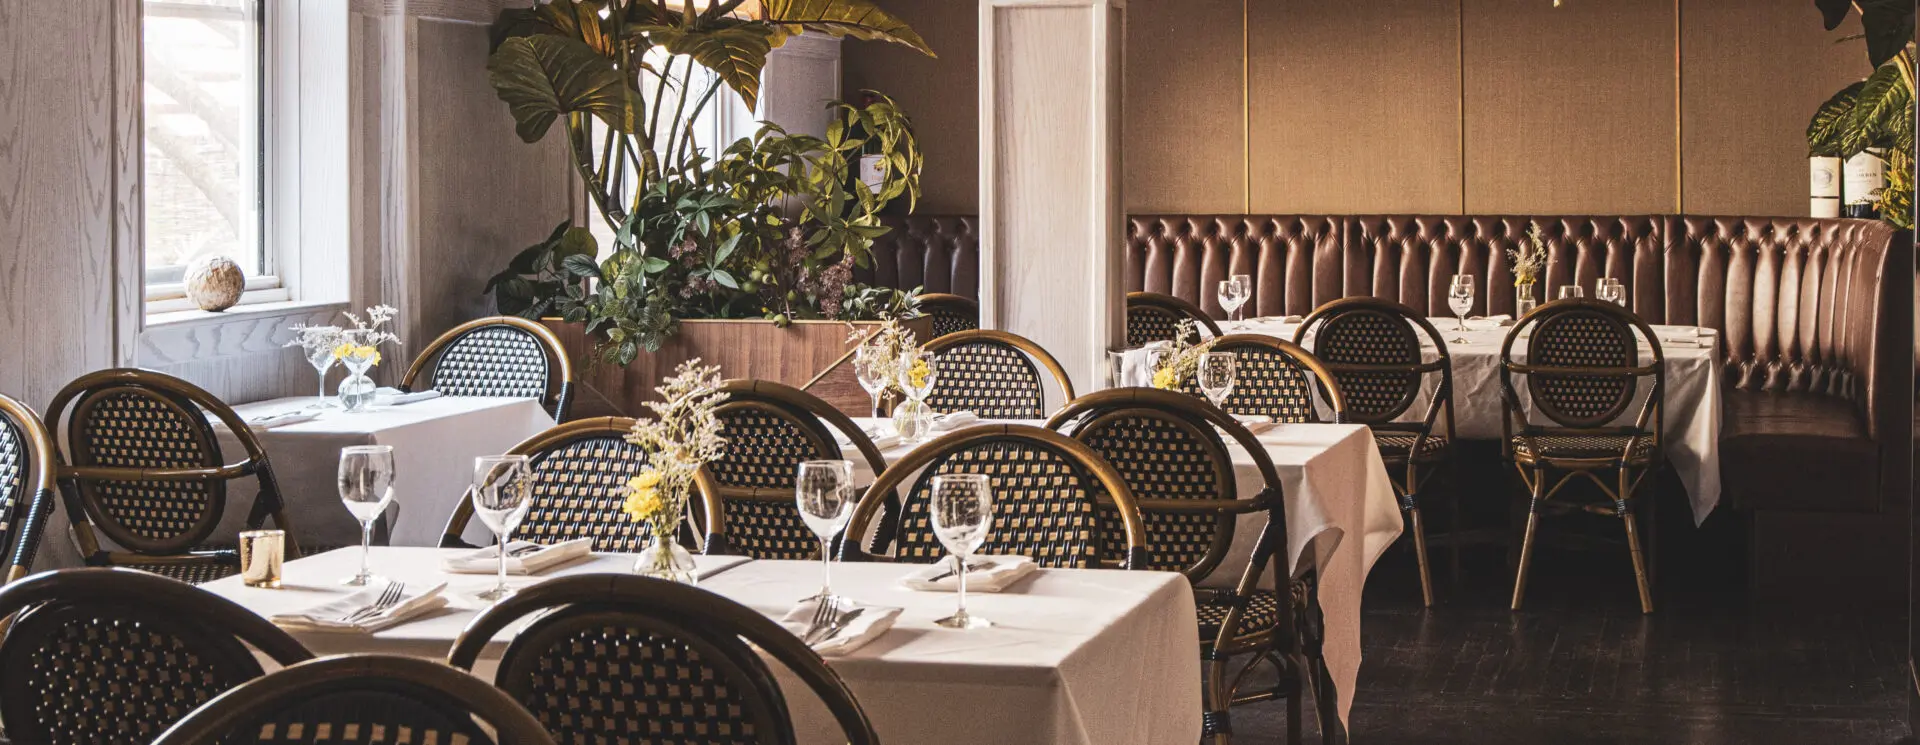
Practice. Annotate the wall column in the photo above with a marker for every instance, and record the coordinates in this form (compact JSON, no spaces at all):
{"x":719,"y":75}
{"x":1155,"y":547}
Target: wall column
{"x":1050,"y":191}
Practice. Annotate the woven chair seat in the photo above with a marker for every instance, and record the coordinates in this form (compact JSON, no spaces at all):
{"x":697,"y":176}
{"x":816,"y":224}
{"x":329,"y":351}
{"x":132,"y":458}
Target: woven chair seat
{"x":1262,"y":614}
{"x":1582,"y":447}
{"x":1398,"y":446}
{"x":192,"y":574}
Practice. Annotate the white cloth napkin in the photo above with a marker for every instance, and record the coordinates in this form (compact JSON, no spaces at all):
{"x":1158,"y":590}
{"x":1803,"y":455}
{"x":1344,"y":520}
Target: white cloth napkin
{"x":327,"y":616}
{"x":953,"y":421}
{"x":394,"y":397}
{"x":523,"y":557}
{"x":872,"y":621}
{"x":266,"y":422}
{"x":1491,"y":321}
{"x":986,"y":574}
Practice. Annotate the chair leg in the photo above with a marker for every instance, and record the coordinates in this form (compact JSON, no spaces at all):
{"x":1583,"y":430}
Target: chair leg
{"x":1217,"y":723}
{"x":1420,"y":553}
{"x":1526,"y":541}
{"x":1639,"y":561}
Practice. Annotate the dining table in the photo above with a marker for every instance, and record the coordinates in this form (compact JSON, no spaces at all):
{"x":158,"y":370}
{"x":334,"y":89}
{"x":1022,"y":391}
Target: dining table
{"x":1073,"y":656}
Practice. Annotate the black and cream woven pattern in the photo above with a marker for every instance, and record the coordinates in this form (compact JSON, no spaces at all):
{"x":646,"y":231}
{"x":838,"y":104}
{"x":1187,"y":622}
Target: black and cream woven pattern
{"x":1581,"y":339}
{"x":989,"y":378}
{"x":136,"y":429}
{"x":13,"y":478}
{"x":1261,"y":614}
{"x":1267,"y":383}
{"x":1160,"y":459}
{"x":110,"y":679}
{"x":1584,"y":447}
{"x":503,"y":361}
{"x":764,"y":450}
{"x":1398,"y":446}
{"x":1371,"y":337}
{"x":1147,"y":325}
{"x":951,"y":320}
{"x":607,"y":683}
{"x":363,"y":717}
{"x":1043,"y":506}
{"x":578,"y":490}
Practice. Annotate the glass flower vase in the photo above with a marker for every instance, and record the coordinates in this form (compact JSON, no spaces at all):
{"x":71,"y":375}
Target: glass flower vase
{"x":664,"y":558}
{"x":356,"y":392}
{"x":1523,"y":299}
{"x":913,"y":419}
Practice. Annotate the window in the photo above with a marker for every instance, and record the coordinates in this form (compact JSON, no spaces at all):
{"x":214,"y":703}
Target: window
{"x":203,"y":155}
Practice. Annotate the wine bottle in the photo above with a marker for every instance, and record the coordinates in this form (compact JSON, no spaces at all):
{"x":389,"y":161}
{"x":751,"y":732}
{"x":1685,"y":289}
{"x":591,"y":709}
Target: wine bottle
{"x":1865,"y":176}
{"x":1824,"y":186}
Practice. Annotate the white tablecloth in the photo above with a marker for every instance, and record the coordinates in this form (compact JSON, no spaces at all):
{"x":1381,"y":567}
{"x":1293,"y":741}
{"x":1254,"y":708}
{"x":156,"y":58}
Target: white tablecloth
{"x":434,"y":444}
{"x":1086,"y":657}
{"x":1341,"y":515}
{"x":1692,"y":406}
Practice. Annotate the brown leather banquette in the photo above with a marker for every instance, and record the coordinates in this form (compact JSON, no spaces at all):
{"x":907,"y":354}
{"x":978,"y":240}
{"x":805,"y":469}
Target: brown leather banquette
{"x":940,"y":253}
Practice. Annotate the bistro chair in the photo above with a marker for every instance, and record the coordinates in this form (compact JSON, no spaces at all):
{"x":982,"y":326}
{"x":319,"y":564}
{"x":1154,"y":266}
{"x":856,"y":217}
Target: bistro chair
{"x":1153,"y":317}
{"x":1168,"y":448}
{"x":1373,"y":349}
{"x":951,"y":314}
{"x":770,"y":429}
{"x":115,"y":656}
{"x":1276,"y":379}
{"x":1047,"y":494}
{"x":624,"y":658}
{"x":144,"y":468}
{"x":1583,"y":373}
{"x":496,"y":356}
{"x":580,"y":471}
{"x":29,"y":463}
{"x":361,"y":699}
{"x":992,"y":374}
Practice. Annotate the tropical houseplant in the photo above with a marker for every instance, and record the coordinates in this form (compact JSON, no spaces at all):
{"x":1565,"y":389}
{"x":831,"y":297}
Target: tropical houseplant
{"x":1875,"y":115}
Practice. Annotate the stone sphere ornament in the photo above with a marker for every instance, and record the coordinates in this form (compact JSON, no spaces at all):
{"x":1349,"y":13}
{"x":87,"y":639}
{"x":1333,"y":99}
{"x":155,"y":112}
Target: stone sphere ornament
{"x":214,"y":283}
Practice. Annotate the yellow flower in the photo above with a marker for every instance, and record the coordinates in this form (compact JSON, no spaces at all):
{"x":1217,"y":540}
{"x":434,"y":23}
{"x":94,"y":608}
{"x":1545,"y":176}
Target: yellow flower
{"x":647,"y":479}
{"x":343,"y":350}
{"x":370,"y":354}
{"x":1165,"y":379}
{"x":917,"y":375}
{"x":643,"y":504}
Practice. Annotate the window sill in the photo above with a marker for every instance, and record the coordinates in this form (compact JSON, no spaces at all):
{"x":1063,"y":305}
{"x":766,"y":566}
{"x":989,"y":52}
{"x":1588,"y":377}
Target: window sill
{"x":196,"y":335}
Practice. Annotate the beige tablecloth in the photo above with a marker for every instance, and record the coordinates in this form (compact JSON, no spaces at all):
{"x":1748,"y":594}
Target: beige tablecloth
{"x":1085,"y":657}
{"x":1341,"y":515}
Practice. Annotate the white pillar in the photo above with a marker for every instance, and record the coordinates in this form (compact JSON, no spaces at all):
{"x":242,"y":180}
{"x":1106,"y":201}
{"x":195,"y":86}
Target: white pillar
{"x":1050,"y":193}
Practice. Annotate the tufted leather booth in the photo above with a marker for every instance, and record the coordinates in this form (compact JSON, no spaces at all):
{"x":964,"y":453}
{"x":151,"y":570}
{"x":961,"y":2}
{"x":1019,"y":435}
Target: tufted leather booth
{"x":938,"y":253}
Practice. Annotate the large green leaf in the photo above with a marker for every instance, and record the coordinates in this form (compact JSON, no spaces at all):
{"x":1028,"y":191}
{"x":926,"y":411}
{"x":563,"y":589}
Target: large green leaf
{"x":1832,"y":12}
{"x":1886,"y":24}
{"x":542,"y":77}
{"x":573,"y":19}
{"x":735,"y":52}
{"x":861,"y":19}
{"x":1826,"y":132}
{"x":1884,"y":105}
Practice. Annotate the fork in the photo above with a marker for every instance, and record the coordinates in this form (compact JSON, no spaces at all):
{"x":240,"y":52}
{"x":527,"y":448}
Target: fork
{"x":839,"y":625}
{"x":388,"y":598}
{"x":823,"y":615}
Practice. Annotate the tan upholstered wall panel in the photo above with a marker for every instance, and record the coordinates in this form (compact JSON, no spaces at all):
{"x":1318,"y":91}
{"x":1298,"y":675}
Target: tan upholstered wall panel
{"x":1355,"y":106}
{"x":1185,"y":149}
{"x":1569,"y":109}
{"x":942,"y":95}
{"x":1753,"y":74}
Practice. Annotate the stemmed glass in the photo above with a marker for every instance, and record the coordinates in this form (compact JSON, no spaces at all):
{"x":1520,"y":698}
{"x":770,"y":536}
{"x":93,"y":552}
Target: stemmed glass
{"x":1460,"y":301}
{"x":1234,"y":292}
{"x":918,"y":372}
{"x":1571,"y":291}
{"x":1612,"y":291}
{"x":1216,"y":374}
{"x":502,"y":491}
{"x":366,"y":487}
{"x":872,"y":372}
{"x":962,"y":515}
{"x":322,"y":359}
{"x":824,"y":491}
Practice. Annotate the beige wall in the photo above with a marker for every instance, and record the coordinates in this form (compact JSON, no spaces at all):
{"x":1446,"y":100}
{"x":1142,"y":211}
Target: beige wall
{"x":1484,"y":106}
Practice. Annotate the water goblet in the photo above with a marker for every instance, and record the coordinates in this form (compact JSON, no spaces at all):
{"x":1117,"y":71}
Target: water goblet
{"x":962,"y":512}
{"x":366,"y":488}
{"x":823,"y":489}
{"x":1216,"y":376}
{"x":1571,"y":292}
{"x":1460,"y":301}
{"x":502,"y":492}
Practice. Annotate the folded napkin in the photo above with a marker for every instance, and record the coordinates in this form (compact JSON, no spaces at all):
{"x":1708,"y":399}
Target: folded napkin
{"x":882,"y":437}
{"x":864,"y":623}
{"x":1136,"y":365}
{"x":264,"y":422}
{"x":953,"y":421}
{"x":331,"y":616}
{"x":395,"y":397}
{"x":1501,"y":319}
{"x":984,"y":574}
{"x":523,"y":557}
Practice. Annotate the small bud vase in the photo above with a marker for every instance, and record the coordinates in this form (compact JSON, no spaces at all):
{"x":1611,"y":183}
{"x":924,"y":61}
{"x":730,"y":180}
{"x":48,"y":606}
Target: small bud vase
{"x":913,"y":419}
{"x":666,"y":559}
{"x":1523,"y":301}
{"x":356,"y":392}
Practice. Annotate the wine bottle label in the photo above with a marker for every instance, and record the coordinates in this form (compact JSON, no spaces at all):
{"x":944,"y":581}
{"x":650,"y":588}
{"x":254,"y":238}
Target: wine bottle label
{"x":1865,"y":174}
{"x":871,"y":172}
{"x":1826,"y":207}
{"x":1824,"y":175}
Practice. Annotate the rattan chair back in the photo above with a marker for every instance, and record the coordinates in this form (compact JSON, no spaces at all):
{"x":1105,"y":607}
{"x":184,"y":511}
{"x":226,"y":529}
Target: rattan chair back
{"x":144,"y":467}
{"x":1373,"y":348}
{"x":1152,"y":317}
{"x":110,"y":656}
{"x":1277,"y":379}
{"x":951,"y":314}
{"x":1047,"y":493}
{"x":28,"y":466}
{"x":625,"y":658}
{"x":1582,"y":363}
{"x":497,"y":356}
{"x":361,"y":700}
{"x":993,"y":374}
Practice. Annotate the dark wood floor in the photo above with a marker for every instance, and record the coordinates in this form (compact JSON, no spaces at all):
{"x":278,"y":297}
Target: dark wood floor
{"x":1582,"y":666}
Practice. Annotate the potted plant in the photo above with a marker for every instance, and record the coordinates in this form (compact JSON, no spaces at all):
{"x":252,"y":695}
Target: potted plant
{"x":1875,"y":115}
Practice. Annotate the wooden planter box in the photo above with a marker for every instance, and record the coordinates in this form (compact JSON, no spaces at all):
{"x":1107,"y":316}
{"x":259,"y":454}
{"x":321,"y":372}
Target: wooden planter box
{"x":815,"y":356}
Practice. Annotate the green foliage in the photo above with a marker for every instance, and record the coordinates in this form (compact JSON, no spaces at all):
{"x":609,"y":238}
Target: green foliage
{"x":1887,"y":25}
{"x":542,"y":278}
{"x":1874,"y":116}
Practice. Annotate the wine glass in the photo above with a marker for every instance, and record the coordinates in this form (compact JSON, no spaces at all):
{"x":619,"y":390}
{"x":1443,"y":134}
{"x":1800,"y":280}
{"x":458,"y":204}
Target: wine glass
{"x":1216,"y":376}
{"x":871,"y":369}
{"x":366,"y":487}
{"x":502,"y":491}
{"x":320,"y":356}
{"x":1571,"y":291}
{"x":919,"y":370}
{"x":1460,"y":301}
{"x":824,"y":491}
{"x":962,"y":506}
{"x":1243,"y":292}
{"x":1612,"y":291}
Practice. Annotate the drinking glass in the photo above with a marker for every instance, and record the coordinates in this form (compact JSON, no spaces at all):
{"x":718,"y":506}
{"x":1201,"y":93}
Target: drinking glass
{"x":962,"y":506}
{"x":1571,"y":291}
{"x":917,"y":383}
{"x":873,"y":373}
{"x":502,"y":492}
{"x":824,"y":491}
{"x":1613,"y":291}
{"x":366,"y":487}
{"x":1216,"y":376}
{"x":1243,"y":292}
{"x":322,"y":360}
{"x":1460,"y":301}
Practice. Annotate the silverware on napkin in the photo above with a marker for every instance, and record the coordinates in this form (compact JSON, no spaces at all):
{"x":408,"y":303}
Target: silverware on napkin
{"x":839,"y":625}
{"x":388,"y":598}
{"x":972,"y":566}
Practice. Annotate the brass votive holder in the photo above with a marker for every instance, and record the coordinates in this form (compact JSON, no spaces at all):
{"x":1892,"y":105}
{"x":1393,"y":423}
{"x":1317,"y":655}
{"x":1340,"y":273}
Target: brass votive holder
{"x":261,"y":554}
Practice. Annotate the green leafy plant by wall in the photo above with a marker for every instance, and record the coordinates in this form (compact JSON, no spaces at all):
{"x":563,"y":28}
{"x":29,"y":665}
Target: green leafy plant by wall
{"x":1875,"y":115}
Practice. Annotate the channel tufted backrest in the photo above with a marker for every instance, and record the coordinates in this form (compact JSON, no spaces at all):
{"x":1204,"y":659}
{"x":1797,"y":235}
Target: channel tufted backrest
{"x":940,"y":253}
{"x":1188,"y":255}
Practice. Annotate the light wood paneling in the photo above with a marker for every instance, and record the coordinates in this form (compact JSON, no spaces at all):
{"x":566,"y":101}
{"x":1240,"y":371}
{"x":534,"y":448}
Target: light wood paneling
{"x":1569,"y":109}
{"x":1753,"y":75}
{"x":942,"y":95}
{"x":1185,"y":143}
{"x":1355,"y":107}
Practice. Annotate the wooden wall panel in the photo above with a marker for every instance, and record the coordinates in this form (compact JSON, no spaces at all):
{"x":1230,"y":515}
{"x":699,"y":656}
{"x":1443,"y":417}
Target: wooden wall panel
{"x":941,"y":94}
{"x":1185,"y":143}
{"x":1753,"y":75}
{"x":1569,"y":109}
{"x":1355,"y":106}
